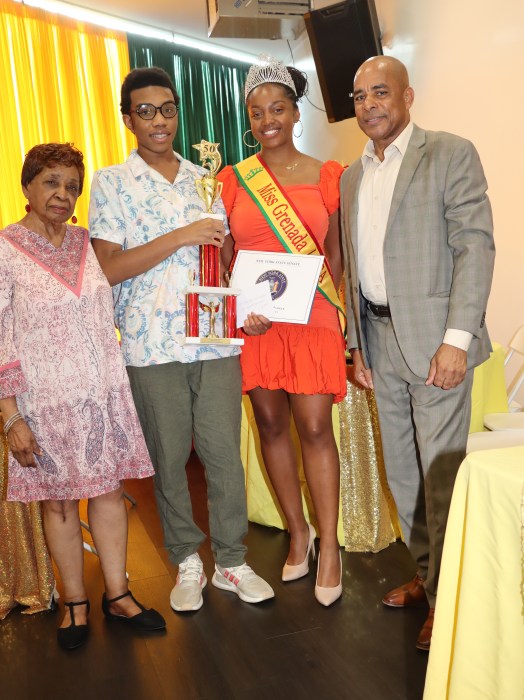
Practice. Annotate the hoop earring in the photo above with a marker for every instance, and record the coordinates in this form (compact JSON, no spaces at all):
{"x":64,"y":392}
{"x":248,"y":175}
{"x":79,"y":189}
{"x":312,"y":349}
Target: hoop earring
{"x":74,"y":219}
{"x":297,"y":136}
{"x":249,"y":145}
{"x":28,"y":208}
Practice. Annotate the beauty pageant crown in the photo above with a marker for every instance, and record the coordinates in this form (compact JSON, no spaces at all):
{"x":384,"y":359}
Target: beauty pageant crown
{"x":270,"y":70}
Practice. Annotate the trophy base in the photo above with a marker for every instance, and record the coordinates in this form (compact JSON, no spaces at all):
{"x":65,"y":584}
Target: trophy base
{"x":210,"y":341}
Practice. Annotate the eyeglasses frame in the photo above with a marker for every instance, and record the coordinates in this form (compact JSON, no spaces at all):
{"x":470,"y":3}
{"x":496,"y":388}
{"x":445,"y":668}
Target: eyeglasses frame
{"x":157,"y":109}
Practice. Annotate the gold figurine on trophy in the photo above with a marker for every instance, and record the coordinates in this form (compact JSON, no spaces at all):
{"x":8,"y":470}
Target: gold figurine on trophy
{"x":208,"y":187}
{"x":212,"y":309}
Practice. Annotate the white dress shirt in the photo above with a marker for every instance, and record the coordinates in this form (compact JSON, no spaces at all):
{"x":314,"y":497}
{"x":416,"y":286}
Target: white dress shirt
{"x":374,"y":203}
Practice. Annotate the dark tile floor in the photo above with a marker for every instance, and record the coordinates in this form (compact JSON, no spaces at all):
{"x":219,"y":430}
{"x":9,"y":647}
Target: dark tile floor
{"x":286,"y":649}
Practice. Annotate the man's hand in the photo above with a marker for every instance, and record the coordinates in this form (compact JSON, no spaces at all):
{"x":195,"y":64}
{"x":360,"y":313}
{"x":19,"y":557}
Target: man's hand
{"x":23,"y":444}
{"x":448,"y":367}
{"x":119,"y":265}
{"x":362,"y":375}
{"x":256,"y":324}
{"x":201,"y":232}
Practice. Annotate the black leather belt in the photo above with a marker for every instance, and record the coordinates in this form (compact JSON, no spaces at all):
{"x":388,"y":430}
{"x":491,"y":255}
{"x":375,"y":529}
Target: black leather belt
{"x":382,"y":311}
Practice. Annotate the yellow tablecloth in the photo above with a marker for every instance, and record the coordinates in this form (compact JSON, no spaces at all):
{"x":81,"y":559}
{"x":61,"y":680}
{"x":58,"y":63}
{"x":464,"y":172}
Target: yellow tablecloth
{"x":477,"y":648}
{"x":488,"y":394}
{"x":368,"y":520}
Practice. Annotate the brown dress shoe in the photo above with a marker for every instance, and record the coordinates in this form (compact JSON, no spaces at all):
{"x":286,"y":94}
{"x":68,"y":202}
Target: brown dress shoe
{"x":424,"y":638}
{"x":407,"y":595}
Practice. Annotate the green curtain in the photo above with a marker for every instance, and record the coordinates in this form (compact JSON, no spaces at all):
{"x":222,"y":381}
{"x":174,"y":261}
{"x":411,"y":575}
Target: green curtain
{"x":211,"y":95}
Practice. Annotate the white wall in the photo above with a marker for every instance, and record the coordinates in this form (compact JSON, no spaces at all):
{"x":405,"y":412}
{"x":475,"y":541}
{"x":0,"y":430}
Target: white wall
{"x":466,"y":62}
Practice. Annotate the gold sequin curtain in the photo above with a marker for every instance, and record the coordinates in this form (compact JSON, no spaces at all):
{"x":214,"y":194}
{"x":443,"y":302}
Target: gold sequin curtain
{"x":369,"y":514}
{"x":368,"y":520}
{"x":26,"y":572}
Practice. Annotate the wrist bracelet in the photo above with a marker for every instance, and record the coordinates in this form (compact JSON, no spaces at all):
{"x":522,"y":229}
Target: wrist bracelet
{"x":11,"y":421}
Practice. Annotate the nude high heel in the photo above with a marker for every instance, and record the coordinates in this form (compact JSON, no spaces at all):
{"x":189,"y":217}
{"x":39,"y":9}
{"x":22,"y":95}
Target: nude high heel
{"x":328,"y":595}
{"x":291,"y":572}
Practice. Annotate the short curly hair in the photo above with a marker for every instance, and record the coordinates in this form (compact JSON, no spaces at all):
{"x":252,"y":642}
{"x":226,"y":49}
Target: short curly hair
{"x":49,"y":155}
{"x":142,"y":78}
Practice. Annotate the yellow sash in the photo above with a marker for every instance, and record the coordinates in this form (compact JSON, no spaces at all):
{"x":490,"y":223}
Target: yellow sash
{"x":286,"y":222}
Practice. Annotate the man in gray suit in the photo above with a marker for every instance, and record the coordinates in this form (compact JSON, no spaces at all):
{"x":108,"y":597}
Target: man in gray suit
{"x":418,"y":241}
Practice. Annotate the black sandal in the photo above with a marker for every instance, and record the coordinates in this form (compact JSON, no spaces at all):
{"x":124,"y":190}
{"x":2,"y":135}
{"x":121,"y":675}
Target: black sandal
{"x":75,"y":635}
{"x":147,"y":620}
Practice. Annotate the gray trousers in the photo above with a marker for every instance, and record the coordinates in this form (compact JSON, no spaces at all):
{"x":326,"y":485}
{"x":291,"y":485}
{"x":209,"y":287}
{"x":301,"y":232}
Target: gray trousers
{"x":424,"y":433}
{"x":200,"y":401}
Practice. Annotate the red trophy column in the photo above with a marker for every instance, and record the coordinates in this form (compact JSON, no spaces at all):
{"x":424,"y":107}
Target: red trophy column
{"x":192,"y":329}
{"x":209,"y":266}
{"x":230,"y":316}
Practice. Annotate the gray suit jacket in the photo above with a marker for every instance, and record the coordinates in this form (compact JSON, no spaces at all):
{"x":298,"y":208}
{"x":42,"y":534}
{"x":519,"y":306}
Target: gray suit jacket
{"x":438,"y":250}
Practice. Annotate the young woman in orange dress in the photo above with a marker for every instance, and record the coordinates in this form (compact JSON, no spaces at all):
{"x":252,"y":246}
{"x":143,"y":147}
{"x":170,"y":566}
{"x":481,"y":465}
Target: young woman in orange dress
{"x":292,"y":369}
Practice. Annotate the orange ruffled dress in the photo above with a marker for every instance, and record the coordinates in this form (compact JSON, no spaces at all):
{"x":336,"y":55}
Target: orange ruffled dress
{"x":301,"y":359}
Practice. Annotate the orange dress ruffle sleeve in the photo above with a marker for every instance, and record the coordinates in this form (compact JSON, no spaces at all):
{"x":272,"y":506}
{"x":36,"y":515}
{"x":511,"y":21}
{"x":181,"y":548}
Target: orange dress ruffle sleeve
{"x":229,"y":187}
{"x":329,"y":184}
{"x":301,"y":359}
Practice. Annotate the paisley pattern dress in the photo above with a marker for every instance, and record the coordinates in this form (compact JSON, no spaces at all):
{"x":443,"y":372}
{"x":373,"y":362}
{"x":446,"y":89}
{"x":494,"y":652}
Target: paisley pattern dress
{"x":60,"y":358}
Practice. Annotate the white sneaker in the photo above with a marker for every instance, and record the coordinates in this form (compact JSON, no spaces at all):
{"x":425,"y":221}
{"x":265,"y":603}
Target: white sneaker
{"x":243,"y":581}
{"x":191,"y":580}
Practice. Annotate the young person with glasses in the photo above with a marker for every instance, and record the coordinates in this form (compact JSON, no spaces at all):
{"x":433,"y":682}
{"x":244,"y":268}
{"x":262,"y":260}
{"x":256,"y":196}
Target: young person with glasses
{"x":146,"y":228}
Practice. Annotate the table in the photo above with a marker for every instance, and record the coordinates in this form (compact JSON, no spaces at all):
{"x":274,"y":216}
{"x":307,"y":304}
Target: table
{"x":368,"y":521}
{"x":477,"y":648}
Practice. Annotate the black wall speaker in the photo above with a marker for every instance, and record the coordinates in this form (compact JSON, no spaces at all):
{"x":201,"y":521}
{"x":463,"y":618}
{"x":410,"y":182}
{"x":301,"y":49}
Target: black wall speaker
{"x":342,"y":37}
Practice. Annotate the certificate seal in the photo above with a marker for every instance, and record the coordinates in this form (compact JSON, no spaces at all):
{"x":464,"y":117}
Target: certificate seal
{"x":277,"y":282}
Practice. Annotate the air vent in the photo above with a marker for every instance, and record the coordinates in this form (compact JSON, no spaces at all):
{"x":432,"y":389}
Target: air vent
{"x":257,"y":19}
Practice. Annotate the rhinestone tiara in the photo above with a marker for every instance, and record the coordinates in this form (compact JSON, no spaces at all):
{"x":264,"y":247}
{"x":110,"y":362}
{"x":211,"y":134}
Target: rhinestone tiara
{"x":269,"y":70}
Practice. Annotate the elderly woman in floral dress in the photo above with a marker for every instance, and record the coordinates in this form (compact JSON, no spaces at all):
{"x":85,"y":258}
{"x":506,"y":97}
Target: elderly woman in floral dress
{"x":70,"y":422}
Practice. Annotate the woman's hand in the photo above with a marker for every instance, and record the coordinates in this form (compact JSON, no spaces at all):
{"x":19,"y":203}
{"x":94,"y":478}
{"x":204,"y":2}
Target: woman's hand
{"x":23,"y":444}
{"x":255,"y":324}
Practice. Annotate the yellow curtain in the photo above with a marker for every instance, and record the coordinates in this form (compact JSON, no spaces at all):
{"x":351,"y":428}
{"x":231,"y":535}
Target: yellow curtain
{"x":61,"y":82}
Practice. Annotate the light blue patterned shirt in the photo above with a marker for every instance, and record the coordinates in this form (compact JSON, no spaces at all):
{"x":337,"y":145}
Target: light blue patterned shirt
{"x":130,"y":205}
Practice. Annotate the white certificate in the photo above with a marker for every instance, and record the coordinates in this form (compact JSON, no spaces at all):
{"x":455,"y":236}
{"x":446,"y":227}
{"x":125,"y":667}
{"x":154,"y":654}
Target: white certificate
{"x":292,"y":280}
{"x":258,"y":297}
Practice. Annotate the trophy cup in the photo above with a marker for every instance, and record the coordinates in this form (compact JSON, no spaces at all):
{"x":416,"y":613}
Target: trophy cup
{"x":209,"y":189}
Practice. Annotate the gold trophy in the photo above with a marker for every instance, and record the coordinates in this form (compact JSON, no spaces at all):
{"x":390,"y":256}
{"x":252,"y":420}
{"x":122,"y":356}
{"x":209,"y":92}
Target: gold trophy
{"x":209,"y":189}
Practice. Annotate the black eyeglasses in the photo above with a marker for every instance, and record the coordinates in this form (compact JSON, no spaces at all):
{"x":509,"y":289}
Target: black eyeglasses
{"x":148,"y":111}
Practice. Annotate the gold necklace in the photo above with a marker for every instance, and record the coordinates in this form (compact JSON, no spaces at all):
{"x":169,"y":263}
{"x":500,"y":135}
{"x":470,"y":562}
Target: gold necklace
{"x":291,"y":167}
